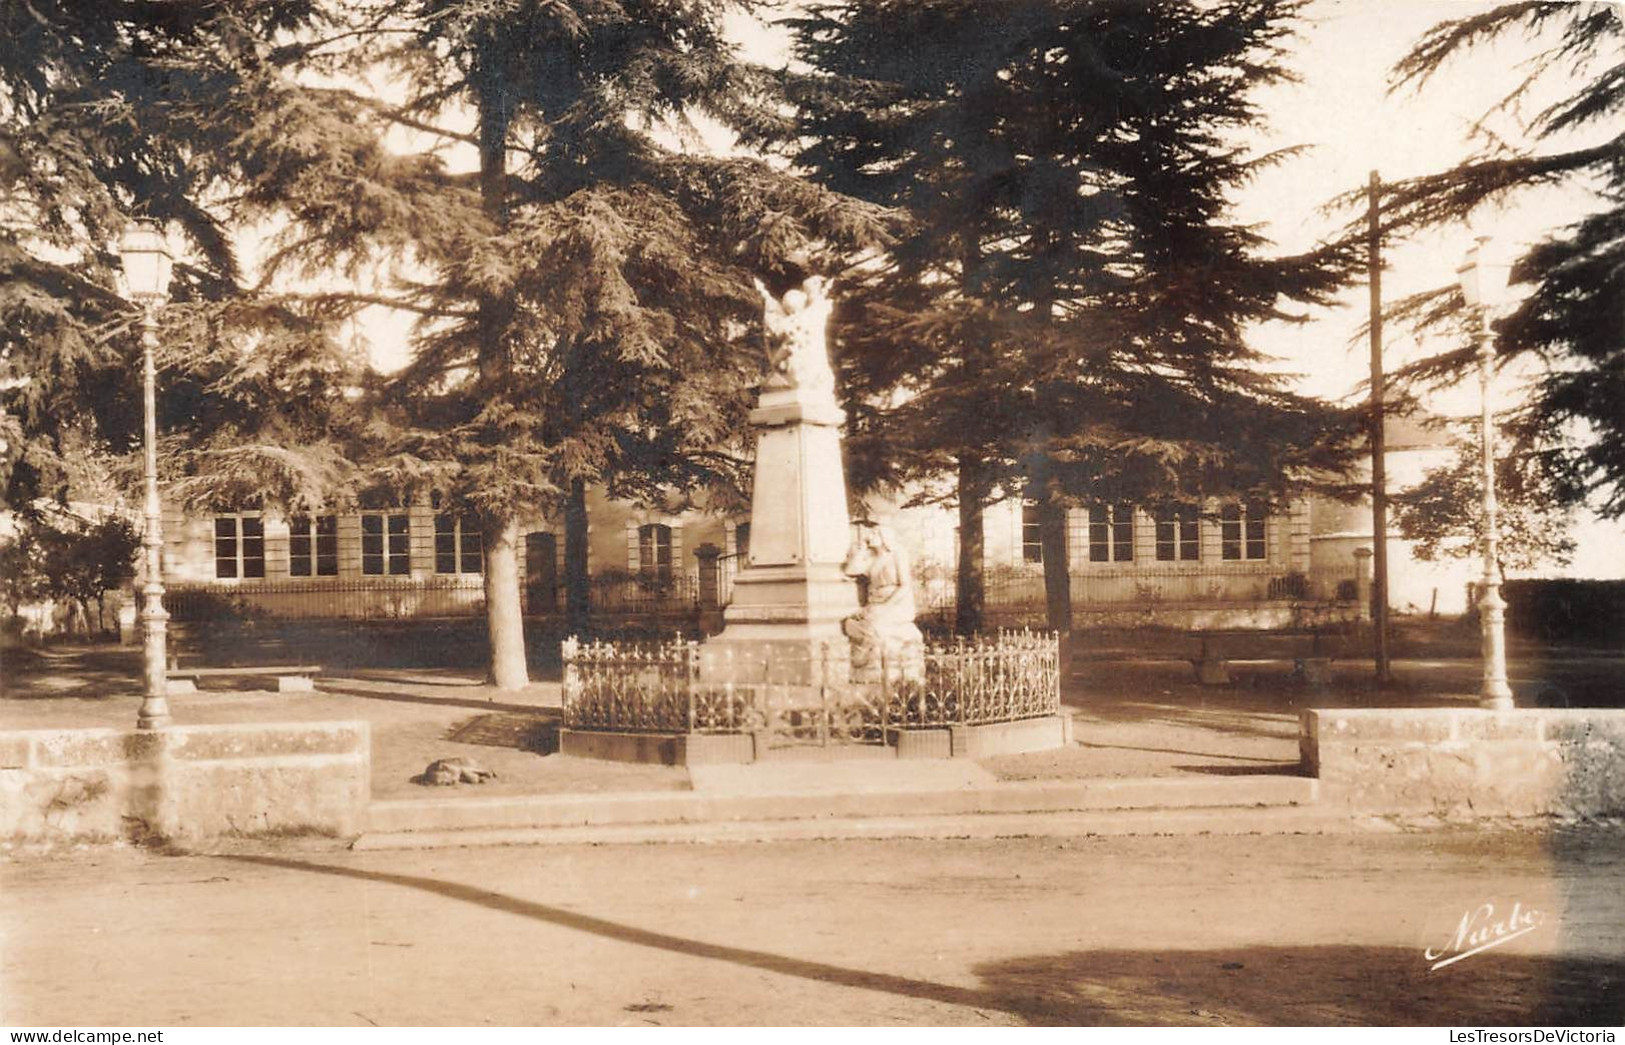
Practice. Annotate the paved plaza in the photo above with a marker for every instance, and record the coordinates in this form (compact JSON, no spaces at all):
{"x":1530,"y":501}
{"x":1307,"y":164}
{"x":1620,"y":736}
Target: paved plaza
{"x":1201,"y":931}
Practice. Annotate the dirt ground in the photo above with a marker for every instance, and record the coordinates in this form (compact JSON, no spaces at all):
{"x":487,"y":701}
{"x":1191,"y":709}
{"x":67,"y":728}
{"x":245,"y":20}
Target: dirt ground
{"x":1201,"y":930}
{"x":1133,"y":717}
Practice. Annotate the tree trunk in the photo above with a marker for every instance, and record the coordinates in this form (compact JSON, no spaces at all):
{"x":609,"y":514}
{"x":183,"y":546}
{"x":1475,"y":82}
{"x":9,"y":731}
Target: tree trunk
{"x":504,"y":610}
{"x":504,"y":618}
{"x":577,"y":607}
{"x":969,"y":587}
{"x":1057,"y":564}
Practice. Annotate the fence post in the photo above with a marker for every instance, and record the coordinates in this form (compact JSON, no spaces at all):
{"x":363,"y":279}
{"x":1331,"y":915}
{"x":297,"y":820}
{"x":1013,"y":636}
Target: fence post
{"x":569,"y":649}
{"x":823,"y":694}
{"x":691,"y":673}
{"x":885,"y":683}
{"x":1362,"y":582}
{"x":709,"y":592}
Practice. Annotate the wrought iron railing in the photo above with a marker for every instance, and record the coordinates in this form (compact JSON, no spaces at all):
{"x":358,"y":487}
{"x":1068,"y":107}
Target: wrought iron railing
{"x":1012,"y":676}
{"x":386,"y":598}
{"x":1140,"y":586}
{"x":378,"y":598}
{"x":644,"y":594}
{"x":661,"y":688}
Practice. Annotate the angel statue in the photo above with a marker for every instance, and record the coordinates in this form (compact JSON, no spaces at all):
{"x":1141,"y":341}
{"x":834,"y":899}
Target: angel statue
{"x":795,"y":336}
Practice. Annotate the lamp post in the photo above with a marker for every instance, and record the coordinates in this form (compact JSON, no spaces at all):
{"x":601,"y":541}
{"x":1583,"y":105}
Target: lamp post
{"x":1480,"y":284}
{"x":146,"y":274}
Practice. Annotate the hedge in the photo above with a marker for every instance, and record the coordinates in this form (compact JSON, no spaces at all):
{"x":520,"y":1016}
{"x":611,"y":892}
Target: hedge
{"x":1563,"y":610}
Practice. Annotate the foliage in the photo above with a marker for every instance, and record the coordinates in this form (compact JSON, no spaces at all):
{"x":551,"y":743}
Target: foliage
{"x":1567,"y":610}
{"x":1443,"y":513}
{"x":1068,"y":313}
{"x":57,"y":556}
{"x":82,"y":565}
{"x":22,"y":574}
{"x":584,"y":295}
{"x":111,"y":111}
{"x":1569,"y":322}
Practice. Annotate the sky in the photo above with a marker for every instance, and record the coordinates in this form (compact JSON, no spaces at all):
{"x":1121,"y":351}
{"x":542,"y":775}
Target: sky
{"x":1350,"y":123}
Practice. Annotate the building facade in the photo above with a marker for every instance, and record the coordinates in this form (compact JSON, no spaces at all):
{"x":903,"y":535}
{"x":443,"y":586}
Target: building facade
{"x":1221,"y":563}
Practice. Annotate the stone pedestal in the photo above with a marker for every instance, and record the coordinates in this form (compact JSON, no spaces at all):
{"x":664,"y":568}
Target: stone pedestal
{"x":791,"y":595}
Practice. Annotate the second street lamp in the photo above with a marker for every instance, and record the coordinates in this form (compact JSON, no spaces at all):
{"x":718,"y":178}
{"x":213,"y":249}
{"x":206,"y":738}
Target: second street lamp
{"x":146,"y":263}
{"x":1481,"y":286}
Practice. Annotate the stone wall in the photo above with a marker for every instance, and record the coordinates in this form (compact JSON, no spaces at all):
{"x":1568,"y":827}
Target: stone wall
{"x":185,"y":783}
{"x":1469,"y":762}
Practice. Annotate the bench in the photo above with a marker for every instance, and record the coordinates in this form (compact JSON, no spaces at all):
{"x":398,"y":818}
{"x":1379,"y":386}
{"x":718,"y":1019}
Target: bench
{"x":290,"y":678}
{"x":1212,"y":663}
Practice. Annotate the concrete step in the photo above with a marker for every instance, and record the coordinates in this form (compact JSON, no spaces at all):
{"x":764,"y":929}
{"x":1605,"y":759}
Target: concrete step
{"x":1217,"y":820}
{"x":821,"y":803}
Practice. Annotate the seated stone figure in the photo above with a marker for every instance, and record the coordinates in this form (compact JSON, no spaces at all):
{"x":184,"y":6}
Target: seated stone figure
{"x":884,"y":627}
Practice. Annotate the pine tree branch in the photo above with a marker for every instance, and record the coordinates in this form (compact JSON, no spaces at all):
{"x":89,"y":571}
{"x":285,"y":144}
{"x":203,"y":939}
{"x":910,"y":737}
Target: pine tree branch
{"x":397,"y":115}
{"x":384,"y":301}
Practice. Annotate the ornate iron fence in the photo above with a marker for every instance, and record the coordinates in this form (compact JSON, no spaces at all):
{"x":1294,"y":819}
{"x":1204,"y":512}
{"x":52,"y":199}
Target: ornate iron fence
{"x":1011,"y":676}
{"x":659,"y":688}
{"x":630,"y":687}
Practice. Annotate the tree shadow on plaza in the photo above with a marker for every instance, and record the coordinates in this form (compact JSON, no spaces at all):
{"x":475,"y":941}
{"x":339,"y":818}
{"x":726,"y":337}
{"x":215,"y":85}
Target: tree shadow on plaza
{"x":1305,"y":986}
{"x":450,"y":700}
{"x":1250,"y":985}
{"x":79,"y":672}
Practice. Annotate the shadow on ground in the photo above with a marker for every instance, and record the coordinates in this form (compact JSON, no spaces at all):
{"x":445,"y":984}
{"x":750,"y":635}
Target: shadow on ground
{"x":1250,"y":985}
{"x":91,"y":672}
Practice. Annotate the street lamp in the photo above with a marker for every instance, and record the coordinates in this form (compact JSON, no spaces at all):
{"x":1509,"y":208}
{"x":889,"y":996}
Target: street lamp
{"x":1481,"y":286}
{"x":146,"y":259}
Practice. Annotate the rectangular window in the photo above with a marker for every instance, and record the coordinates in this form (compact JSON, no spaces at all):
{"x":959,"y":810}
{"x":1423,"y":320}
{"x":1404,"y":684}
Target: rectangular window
{"x":654,"y":551}
{"x":313,"y":546}
{"x":1111,"y":533}
{"x":1032,"y":535}
{"x":239,"y":546}
{"x":457,"y":545}
{"x":1178,"y":536}
{"x":385,"y":544}
{"x":1242,"y":532}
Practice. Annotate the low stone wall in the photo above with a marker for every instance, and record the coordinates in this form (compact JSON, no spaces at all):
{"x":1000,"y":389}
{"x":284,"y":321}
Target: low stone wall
{"x":1467,"y":761}
{"x":998,"y":738}
{"x":661,"y":749}
{"x":700,"y":749}
{"x":185,"y":783}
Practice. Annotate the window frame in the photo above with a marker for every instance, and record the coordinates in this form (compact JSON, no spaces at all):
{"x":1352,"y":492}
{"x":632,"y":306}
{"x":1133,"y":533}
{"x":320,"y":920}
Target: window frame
{"x":1032,"y":534}
{"x":318,"y":535}
{"x":244,"y":564}
{"x":1111,"y":533}
{"x":650,"y":567}
{"x":1178,"y":529}
{"x":456,"y":538}
{"x":392,"y":545}
{"x":1244,"y":531}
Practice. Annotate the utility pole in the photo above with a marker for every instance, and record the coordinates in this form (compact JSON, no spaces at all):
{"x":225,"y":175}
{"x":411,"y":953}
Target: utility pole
{"x":1379,"y":464}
